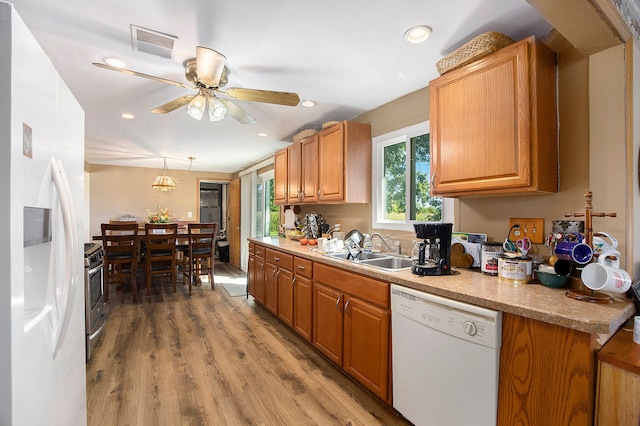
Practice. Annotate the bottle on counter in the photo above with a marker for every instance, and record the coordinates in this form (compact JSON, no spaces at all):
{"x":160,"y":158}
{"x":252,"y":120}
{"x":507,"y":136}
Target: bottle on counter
{"x":367,"y":243}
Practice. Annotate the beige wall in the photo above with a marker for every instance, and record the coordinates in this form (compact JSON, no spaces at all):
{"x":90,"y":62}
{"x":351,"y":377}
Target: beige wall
{"x":115,"y":191}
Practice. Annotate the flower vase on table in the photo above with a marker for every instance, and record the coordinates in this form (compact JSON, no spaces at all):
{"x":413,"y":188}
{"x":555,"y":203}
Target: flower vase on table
{"x":159,"y":216}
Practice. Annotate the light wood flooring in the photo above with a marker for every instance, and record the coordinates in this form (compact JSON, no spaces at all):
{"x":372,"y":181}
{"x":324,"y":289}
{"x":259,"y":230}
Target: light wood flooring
{"x":212,"y":359}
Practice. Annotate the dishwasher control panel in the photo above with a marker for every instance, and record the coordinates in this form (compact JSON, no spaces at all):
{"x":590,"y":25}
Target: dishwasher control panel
{"x":468,"y":322}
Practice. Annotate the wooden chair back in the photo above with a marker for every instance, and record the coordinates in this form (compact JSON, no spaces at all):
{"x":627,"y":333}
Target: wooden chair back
{"x":120,"y":244}
{"x":200,"y":247}
{"x":160,"y":249}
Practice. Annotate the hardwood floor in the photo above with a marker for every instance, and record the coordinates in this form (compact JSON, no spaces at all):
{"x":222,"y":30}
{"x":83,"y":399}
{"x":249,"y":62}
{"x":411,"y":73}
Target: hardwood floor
{"x":213,"y":359}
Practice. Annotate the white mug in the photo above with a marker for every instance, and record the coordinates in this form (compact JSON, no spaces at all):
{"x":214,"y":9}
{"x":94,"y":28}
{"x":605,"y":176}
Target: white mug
{"x":610,"y":257}
{"x":597,"y":276}
{"x":322,"y":244}
{"x":600,"y":242}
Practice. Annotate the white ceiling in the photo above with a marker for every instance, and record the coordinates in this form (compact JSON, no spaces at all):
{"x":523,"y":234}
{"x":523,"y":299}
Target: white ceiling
{"x":347,"y":55}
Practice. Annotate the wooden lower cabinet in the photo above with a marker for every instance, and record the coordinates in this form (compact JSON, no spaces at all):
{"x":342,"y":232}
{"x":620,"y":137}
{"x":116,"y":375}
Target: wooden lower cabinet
{"x":255,"y":276}
{"x":302,"y":297}
{"x":351,"y":331}
{"x":366,"y":345}
{"x":547,"y":374}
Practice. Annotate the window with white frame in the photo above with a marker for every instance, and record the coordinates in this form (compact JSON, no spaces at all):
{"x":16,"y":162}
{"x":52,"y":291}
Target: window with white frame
{"x":401,"y":184}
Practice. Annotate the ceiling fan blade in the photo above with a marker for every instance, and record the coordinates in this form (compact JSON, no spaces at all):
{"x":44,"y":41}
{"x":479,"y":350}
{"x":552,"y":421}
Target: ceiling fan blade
{"x":236,"y":112}
{"x":139,"y":74}
{"x":173,"y":105}
{"x":210,"y":65}
{"x":267,"y":96}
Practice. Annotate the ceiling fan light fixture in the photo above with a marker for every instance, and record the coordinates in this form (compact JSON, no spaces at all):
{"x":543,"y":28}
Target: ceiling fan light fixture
{"x":308,"y":104}
{"x":217,"y":110}
{"x":417,"y":34}
{"x":197,"y":106}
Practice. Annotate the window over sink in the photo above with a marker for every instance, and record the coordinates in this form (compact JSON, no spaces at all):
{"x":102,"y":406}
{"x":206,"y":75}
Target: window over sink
{"x":401,"y":181}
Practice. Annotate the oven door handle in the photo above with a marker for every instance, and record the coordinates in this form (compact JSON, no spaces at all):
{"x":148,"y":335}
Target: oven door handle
{"x":99,"y":330}
{"x":96,"y":269}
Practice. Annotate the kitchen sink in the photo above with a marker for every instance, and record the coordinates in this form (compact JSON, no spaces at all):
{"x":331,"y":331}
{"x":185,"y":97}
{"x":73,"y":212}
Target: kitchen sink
{"x":386,"y":261}
{"x":359,"y":258}
{"x":389,"y":263}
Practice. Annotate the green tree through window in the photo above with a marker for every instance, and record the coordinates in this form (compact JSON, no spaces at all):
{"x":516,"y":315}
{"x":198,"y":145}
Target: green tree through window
{"x":406,"y":183}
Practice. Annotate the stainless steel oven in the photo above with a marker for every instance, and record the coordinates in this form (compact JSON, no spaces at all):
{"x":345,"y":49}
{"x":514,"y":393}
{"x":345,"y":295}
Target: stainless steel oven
{"x":93,"y":294}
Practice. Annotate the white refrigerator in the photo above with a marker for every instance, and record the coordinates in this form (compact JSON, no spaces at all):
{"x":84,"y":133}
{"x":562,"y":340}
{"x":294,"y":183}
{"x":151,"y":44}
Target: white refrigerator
{"x":42,"y":348}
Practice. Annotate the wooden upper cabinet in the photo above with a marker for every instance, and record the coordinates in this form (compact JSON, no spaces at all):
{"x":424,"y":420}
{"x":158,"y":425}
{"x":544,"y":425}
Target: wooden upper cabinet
{"x":294,"y":177}
{"x":493,"y":124}
{"x":309,"y":166}
{"x":345,"y":163}
{"x":280,"y":184}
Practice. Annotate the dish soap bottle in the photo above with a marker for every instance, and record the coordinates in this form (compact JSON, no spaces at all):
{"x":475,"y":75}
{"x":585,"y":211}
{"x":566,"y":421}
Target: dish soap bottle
{"x":367,"y":243}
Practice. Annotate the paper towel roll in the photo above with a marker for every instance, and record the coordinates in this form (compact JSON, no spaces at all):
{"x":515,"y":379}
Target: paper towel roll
{"x":289,"y":219}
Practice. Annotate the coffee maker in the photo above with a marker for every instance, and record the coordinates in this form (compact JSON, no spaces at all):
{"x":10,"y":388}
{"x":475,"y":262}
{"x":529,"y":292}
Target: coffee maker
{"x":432,"y":256}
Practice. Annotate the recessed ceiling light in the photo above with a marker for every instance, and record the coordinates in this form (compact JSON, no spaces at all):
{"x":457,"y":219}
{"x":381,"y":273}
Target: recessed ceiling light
{"x":127,"y":116}
{"x":308,"y":104}
{"x":115,"y":62}
{"x":263,"y":134}
{"x":417,"y":34}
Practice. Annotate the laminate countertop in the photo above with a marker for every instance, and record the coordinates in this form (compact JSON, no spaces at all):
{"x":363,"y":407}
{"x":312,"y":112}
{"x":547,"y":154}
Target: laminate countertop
{"x":533,"y":301}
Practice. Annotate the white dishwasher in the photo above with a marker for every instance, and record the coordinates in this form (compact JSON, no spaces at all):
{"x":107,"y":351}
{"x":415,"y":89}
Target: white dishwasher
{"x":446,"y":357}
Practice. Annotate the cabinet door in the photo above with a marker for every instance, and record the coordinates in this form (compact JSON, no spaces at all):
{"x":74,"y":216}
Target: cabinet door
{"x":258,"y":287}
{"x":284,"y":280}
{"x":331,"y":164}
{"x":366,"y":345}
{"x":327,"y":322}
{"x":302,"y":308}
{"x":309,"y":164}
{"x":294,"y":178}
{"x":480,"y":125}
{"x":280,"y":181}
{"x":270,"y":287}
{"x":251,"y":275}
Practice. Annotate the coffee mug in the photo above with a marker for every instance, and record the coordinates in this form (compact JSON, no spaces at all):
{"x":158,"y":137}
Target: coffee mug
{"x":563,"y":267}
{"x":322,"y":244}
{"x":600,"y":243}
{"x":610,"y":257}
{"x":597,"y":276}
{"x":575,"y":251}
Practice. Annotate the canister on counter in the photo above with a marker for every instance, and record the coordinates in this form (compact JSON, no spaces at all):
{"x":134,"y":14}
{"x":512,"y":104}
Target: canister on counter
{"x":518,"y":270}
{"x":489,"y":257}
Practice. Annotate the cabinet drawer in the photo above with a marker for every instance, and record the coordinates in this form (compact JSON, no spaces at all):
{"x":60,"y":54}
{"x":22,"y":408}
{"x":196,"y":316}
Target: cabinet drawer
{"x":252,"y":248}
{"x":281,"y":259}
{"x":259,"y":251}
{"x":303,"y":267}
{"x":365,"y":288}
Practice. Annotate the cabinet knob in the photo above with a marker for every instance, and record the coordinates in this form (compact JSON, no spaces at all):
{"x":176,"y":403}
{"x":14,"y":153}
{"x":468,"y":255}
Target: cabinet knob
{"x":346,"y":307}
{"x":338,"y":303}
{"x":293,"y":283}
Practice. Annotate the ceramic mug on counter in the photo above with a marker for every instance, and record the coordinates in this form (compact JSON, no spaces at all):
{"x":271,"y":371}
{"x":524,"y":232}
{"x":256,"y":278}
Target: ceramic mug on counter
{"x":597,"y":276}
{"x":575,"y":251}
{"x":609,"y":257}
{"x":601,"y":244}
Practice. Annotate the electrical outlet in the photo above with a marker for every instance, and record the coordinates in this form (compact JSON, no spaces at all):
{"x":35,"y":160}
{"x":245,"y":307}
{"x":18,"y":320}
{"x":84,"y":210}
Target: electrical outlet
{"x":529,"y":227}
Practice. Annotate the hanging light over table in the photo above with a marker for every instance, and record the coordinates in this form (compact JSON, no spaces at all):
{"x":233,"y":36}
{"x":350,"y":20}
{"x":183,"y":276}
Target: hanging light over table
{"x":164,"y":182}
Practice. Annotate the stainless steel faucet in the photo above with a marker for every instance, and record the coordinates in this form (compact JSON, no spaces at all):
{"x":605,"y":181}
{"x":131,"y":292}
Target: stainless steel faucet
{"x":396,"y":244}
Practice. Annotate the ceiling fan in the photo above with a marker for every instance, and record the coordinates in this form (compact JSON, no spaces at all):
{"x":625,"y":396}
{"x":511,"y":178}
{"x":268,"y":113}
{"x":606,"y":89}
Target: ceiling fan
{"x":208,"y":74}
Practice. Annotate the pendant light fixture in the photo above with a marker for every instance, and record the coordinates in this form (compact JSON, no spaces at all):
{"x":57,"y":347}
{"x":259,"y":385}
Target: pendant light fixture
{"x":164,"y":182}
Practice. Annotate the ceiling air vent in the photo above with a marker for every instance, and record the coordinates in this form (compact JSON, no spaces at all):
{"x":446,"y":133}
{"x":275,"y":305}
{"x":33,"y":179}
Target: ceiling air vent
{"x":153,"y":42}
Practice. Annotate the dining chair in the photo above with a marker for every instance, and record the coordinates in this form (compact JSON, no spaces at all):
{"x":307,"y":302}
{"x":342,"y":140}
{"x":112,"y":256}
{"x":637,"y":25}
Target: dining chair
{"x":199,"y":253}
{"x":160,"y":252}
{"x":120,"y":244}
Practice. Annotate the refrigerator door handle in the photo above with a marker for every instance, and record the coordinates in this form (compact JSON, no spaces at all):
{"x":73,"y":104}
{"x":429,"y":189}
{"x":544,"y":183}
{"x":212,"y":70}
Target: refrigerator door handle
{"x":71,"y":242}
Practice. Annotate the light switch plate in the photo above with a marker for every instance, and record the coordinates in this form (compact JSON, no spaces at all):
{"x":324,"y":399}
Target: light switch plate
{"x":529,"y":227}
